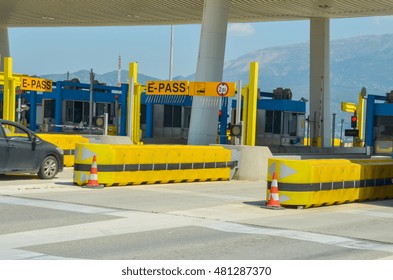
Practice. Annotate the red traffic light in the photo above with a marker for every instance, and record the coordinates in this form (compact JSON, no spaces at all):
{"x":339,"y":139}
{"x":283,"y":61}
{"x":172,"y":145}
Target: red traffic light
{"x":354,"y":120}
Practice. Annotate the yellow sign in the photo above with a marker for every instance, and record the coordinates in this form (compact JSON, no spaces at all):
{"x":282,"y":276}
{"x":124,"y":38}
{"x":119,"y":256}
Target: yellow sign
{"x":167,"y":87}
{"x":215,"y":89}
{"x":36,"y":84}
{"x":348,"y":107}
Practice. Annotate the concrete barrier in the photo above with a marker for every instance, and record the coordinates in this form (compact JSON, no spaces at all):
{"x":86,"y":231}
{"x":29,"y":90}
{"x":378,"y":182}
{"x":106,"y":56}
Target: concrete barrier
{"x":120,"y":165}
{"x":307,"y":183}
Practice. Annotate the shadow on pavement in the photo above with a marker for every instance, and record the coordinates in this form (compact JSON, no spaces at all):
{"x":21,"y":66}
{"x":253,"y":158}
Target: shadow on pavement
{"x":258,"y":203}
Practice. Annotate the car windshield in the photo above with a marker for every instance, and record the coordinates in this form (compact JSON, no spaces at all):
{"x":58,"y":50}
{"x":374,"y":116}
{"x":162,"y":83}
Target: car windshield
{"x":6,"y":130}
{"x":14,"y":132}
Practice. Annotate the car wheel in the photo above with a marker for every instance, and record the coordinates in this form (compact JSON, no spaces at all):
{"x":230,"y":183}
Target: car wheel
{"x":49,"y":168}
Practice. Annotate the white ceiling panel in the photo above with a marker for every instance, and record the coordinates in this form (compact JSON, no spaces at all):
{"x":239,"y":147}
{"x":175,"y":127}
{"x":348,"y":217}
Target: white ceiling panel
{"x":22,"y":13}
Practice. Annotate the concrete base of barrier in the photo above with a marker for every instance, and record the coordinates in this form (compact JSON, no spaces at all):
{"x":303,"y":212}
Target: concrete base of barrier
{"x":108,"y":139}
{"x":252,"y":162}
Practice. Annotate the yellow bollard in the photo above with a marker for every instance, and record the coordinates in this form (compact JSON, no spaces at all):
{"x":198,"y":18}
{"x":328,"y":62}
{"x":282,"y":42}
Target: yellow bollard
{"x":252,"y":104}
{"x":7,"y":85}
{"x":135,"y":102}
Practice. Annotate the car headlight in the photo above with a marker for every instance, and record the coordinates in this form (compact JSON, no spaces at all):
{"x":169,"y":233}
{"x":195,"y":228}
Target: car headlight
{"x":60,"y":150}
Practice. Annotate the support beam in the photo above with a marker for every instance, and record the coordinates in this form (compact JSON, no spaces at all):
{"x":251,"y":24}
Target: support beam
{"x":204,"y":118}
{"x":9,"y":102}
{"x":320,"y":111}
{"x":4,"y":46}
{"x":252,"y":104}
{"x":59,"y":107}
{"x":33,"y":110}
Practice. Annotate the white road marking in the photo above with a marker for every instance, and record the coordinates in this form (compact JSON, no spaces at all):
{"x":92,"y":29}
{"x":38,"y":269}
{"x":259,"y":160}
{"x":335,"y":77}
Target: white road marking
{"x":132,"y":222}
{"x":55,"y":205}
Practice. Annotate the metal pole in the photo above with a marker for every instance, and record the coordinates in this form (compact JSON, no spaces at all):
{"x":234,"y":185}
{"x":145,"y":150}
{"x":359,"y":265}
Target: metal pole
{"x":19,"y":108}
{"x":315,"y":130}
{"x":333,"y":130}
{"x":130,"y":109}
{"x":171,"y":55}
{"x":91,"y":102}
{"x":116,"y":120}
{"x":308,"y":130}
{"x":341,"y":132}
{"x":105,"y":123}
{"x":239,"y":103}
{"x":238,"y":111}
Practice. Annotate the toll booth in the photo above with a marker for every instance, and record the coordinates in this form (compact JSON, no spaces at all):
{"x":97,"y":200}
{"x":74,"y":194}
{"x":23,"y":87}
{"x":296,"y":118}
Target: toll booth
{"x":280,"y":120}
{"x":379,"y":124}
{"x":67,"y":107}
{"x":165,"y":118}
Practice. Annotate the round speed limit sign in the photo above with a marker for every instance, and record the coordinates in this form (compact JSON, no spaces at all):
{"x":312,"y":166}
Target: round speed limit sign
{"x":222,"y":89}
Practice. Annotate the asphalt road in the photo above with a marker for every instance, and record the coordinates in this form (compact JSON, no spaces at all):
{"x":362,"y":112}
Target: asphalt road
{"x":55,"y":219}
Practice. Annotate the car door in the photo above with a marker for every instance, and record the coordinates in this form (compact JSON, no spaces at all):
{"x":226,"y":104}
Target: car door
{"x":3,"y":149}
{"x":21,"y":154}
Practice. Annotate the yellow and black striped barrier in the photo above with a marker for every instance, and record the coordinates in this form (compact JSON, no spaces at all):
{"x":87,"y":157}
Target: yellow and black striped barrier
{"x":121,"y":165}
{"x":308,"y":183}
{"x":67,"y":143}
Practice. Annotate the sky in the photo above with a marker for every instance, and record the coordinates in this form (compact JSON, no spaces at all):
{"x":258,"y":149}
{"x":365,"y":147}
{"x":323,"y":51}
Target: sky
{"x":40,"y":51}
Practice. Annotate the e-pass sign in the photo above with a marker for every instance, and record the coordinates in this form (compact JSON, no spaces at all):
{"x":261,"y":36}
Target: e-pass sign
{"x":167,"y":87}
{"x":36,"y":84}
{"x":214,"y":89}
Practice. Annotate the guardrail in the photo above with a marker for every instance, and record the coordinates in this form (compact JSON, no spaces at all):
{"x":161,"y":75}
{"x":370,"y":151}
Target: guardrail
{"x":121,"y":165}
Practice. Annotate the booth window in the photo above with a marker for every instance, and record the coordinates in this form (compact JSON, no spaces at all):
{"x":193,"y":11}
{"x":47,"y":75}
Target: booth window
{"x":172,"y":116}
{"x":77,"y":111}
{"x":273,"y":122}
{"x":143,"y":113}
{"x":384,"y":127}
{"x":269,"y":122}
{"x":290,"y":124}
{"x":49,"y":108}
{"x":277,"y":122}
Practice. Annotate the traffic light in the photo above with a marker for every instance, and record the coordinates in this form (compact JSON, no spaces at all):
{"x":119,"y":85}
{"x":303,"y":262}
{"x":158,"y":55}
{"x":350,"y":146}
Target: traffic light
{"x":354,"y":121}
{"x":235,"y":130}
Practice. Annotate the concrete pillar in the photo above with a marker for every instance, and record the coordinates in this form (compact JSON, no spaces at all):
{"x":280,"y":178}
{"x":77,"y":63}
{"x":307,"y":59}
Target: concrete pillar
{"x":204,"y":115}
{"x":4,"y":46}
{"x":320,"y":111}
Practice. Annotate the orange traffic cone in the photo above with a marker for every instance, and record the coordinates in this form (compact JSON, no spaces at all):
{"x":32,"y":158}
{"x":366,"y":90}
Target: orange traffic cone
{"x":93,"y":178}
{"x":274,"y":199}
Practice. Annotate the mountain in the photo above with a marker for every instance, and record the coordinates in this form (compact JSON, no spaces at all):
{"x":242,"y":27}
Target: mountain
{"x":355,"y":62}
{"x":109,"y":78}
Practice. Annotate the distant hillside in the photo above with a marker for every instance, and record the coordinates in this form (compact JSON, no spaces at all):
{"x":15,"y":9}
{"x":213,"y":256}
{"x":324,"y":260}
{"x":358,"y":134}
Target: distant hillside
{"x":355,"y":62}
{"x":109,"y":78}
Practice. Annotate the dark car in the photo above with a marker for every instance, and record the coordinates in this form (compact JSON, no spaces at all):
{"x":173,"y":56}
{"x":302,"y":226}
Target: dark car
{"x":22,"y":151}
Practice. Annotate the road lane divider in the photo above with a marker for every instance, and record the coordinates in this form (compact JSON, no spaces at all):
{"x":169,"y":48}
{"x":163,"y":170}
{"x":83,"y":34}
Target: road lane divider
{"x":121,"y":165}
{"x":318,"y":182}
